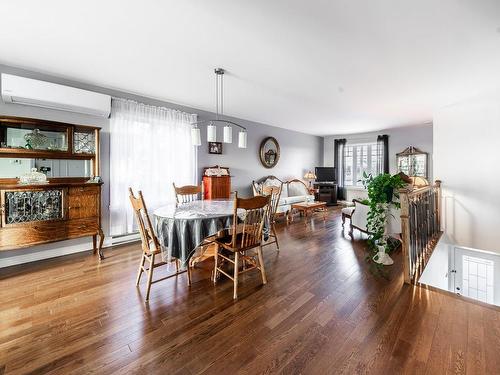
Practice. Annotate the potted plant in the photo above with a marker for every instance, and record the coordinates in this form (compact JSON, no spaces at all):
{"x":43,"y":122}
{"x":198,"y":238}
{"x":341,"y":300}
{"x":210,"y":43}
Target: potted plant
{"x":381,"y":193}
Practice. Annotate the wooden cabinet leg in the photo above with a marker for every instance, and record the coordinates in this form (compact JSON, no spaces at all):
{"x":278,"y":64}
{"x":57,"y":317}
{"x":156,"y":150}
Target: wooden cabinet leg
{"x":101,"y":240}
{"x":94,"y":243}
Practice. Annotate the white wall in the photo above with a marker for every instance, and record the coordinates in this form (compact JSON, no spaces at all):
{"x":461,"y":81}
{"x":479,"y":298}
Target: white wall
{"x":467,"y":160}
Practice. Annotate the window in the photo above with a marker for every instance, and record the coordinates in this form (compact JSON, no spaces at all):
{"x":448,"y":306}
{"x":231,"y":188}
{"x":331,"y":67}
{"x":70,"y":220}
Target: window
{"x":359,"y":158}
{"x":150,"y":147}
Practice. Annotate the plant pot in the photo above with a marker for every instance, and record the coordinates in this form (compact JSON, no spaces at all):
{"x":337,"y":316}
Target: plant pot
{"x":382,"y":257}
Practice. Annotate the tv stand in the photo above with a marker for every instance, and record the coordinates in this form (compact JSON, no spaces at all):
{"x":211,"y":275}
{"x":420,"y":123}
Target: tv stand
{"x":326,"y":192}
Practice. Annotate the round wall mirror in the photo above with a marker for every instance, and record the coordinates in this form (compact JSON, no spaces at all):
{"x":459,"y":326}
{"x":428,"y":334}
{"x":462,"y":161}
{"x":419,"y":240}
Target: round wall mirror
{"x":269,"y":152}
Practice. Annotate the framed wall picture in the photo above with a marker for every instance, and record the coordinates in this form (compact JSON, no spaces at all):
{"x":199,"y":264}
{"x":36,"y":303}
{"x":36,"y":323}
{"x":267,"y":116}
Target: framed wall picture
{"x":215,"y":147}
{"x":269,"y":152}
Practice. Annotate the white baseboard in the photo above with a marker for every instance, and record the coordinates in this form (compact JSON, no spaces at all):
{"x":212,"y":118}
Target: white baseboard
{"x":15,"y":260}
{"x":18,"y":257}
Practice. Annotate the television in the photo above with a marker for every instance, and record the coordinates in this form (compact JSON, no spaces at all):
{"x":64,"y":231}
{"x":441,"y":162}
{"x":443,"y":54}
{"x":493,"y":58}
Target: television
{"x":325,"y":174}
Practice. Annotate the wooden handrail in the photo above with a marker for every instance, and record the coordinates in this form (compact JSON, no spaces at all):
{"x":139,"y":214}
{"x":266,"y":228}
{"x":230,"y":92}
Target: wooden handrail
{"x":420,"y":227}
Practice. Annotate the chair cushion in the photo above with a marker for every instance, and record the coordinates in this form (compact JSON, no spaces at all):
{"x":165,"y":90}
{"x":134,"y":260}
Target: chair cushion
{"x":348,"y":210}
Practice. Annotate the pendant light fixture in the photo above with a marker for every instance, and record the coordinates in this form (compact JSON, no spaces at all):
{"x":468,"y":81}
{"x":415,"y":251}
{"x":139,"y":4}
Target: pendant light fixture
{"x":211,"y":133}
{"x":196,"y":136}
{"x":219,"y":110}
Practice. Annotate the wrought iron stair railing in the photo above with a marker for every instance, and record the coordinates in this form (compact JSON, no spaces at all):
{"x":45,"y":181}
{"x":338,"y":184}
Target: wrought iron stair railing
{"x":420,"y":227}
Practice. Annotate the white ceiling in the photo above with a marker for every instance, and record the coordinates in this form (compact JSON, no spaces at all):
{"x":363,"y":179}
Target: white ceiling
{"x":320,"y":67}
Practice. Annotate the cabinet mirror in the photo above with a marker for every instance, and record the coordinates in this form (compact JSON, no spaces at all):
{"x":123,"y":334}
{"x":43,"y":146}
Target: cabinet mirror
{"x":16,"y":167}
{"x":37,"y":137}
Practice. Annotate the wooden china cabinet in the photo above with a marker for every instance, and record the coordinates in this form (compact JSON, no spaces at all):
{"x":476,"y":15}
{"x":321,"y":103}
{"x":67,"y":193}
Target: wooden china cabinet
{"x":68,"y":204}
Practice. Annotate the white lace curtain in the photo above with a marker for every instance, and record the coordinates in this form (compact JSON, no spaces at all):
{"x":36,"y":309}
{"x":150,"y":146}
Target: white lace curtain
{"x":150,"y":147}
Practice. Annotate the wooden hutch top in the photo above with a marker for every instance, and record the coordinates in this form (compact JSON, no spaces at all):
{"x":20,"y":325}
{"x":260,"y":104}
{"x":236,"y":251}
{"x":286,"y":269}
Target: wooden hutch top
{"x":70,"y":136}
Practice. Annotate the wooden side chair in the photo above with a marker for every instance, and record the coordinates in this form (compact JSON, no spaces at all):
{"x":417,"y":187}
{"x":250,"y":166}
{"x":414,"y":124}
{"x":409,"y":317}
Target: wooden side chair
{"x":188,"y":193}
{"x":150,"y":244}
{"x":274,"y":193}
{"x":244,"y":235}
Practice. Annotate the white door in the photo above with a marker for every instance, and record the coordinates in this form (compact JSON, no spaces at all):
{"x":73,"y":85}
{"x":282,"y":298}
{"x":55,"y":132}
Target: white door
{"x":477,"y":275}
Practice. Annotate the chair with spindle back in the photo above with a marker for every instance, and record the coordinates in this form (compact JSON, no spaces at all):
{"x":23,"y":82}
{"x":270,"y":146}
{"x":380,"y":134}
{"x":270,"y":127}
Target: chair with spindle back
{"x":274,"y":193}
{"x":150,"y":244}
{"x":188,"y":193}
{"x":244,"y":235}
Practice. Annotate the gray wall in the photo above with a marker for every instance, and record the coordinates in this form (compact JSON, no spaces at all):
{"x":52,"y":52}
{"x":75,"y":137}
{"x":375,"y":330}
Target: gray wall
{"x":299,"y":152}
{"x":399,"y":138}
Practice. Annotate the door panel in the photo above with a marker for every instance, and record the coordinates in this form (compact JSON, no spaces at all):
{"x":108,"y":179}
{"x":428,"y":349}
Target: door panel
{"x":476,"y":274}
{"x":83,"y":203}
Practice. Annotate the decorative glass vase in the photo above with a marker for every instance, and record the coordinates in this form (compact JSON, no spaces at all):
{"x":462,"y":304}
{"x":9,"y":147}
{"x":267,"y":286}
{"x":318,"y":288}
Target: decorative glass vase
{"x":36,"y":140}
{"x":33,"y":177}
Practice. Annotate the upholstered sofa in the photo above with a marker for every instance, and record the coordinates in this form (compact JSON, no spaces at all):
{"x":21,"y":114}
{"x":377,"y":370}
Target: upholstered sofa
{"x":293,"y":191}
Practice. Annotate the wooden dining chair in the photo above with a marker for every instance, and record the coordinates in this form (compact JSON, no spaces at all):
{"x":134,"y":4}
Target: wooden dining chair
{"x":274,"y":193}
{"x":150,"y":245}
{"x":244,"y":236}
{"x":188,"y":193}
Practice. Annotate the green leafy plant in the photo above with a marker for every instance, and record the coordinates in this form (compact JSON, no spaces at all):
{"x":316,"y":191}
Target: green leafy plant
{"x":381,"y":191}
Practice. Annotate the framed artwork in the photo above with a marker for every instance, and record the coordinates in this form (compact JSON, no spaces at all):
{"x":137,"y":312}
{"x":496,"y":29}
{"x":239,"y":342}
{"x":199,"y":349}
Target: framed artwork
{"x":269,"y":152}
{"x":412,"y":162}
{"x":215,"y":147}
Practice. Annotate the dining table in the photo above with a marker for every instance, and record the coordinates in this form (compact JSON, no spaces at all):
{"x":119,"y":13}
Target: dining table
{"x":182,"y":228}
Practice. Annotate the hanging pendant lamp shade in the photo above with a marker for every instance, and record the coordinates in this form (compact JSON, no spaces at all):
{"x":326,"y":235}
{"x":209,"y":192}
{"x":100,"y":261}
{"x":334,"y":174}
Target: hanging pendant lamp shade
{"x":242,"y":139}
{"x":196,"y":137}
{"x":211,"y":133}
{"x":219,"y":111}
{"x":228,"y":134}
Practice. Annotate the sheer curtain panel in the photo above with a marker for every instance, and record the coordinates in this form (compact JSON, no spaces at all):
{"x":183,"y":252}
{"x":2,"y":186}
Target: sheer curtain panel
{"x":150,"y":147}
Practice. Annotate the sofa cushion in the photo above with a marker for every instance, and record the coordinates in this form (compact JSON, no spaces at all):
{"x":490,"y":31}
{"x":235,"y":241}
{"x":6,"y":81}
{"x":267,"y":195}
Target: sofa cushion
{"x":300,"y":198}
{"x":283,"y":208}
{"x":282,"y":201}
{"x":297,"y":188}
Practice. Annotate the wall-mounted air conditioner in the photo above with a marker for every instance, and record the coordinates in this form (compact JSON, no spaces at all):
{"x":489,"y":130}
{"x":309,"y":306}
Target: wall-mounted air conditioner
{"x":21,"y":90}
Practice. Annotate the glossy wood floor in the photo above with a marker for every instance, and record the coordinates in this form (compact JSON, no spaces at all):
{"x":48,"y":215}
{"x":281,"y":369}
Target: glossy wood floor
{"x":322,"y":312}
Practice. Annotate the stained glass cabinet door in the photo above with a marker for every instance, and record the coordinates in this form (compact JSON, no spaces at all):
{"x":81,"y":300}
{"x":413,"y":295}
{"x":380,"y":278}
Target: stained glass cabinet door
{"x":84,"y":141}
{"x":27,"y":206}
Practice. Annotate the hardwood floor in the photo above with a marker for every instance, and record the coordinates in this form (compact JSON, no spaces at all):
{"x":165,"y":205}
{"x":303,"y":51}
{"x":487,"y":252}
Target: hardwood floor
{"x":322,"y":312}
